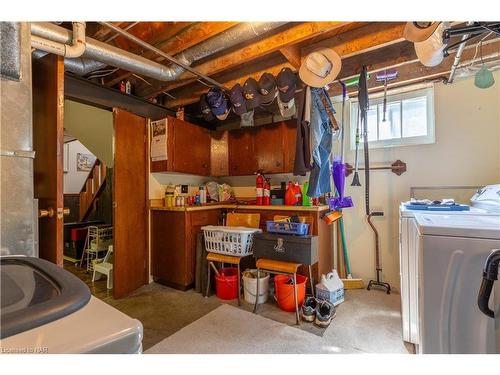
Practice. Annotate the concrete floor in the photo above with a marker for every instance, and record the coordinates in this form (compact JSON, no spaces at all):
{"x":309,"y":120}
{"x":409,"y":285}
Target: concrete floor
{"x":368,"y":321}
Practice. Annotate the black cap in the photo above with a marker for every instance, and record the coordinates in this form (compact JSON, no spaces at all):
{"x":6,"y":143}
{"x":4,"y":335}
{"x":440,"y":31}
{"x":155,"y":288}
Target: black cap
{"x":251,"y":93}
{"x":205,"y":109}
{"x":238,"y":100}
{"x":287,"y":83}
{"x":267,"y":88}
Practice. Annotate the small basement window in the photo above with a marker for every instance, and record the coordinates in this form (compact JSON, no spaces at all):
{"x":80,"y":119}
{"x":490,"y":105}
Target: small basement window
{"x":409,"y":118}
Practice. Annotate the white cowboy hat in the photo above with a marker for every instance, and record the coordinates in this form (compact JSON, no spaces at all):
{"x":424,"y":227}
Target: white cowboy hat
{"x":320,"y":67}
{"x":430,"y":51}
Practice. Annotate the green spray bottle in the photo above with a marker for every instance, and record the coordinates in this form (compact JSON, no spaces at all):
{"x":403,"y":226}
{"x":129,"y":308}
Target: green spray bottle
{"x":306,"y":200}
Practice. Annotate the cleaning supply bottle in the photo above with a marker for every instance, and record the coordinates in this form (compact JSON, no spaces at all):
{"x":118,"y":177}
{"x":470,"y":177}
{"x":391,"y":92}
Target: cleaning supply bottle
{"x":306,"y":199}
{"x":298,"y":193}
{"x":290,"y":197}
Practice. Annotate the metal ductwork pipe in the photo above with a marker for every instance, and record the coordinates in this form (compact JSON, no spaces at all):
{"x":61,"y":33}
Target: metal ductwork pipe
{"x":97,"y":54}
{"x":458,"y":56}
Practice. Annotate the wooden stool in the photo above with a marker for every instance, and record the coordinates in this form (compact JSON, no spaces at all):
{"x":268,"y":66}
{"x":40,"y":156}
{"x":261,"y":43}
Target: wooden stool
{"x":282,"y":268}
{"x":222,"y":258}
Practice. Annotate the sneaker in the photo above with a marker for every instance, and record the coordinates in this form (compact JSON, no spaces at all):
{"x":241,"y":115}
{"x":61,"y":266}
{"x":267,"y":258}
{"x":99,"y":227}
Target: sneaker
{"x":325,"y":312}
{"x":308,"y":310}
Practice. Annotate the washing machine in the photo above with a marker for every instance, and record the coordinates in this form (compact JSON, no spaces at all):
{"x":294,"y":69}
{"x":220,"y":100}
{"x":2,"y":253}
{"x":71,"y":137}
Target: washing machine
{"x":452,"y":250}
{"x":486,"y":201}
{"x":46,"y":309}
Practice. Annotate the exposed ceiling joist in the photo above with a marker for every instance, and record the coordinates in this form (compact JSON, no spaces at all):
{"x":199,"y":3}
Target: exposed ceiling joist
{"x":412,"y":71}
{"x":184,"y":39}
{"x":292,"y":54}
{"x":248,"y":53}
{"x":385,"y":35}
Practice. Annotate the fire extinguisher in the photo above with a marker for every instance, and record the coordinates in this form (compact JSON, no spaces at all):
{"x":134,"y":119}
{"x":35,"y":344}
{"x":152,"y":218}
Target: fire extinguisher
{"x":259,"y":182}
{"x":267,"y":193}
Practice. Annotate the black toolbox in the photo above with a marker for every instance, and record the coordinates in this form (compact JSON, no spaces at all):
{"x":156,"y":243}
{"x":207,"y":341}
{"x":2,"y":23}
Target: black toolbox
{"x":285,"y":247}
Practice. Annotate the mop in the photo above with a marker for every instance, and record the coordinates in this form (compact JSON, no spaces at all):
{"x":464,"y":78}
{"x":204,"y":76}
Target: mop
{"x":340,"y":201}
{"x":364,"y":105}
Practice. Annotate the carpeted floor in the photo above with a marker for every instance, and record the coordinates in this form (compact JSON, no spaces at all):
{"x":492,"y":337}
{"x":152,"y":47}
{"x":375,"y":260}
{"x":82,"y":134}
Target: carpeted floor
{"x":367,"y":322}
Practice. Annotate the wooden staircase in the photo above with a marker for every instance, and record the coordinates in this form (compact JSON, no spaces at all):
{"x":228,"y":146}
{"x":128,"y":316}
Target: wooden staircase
{"x":92,"y":188}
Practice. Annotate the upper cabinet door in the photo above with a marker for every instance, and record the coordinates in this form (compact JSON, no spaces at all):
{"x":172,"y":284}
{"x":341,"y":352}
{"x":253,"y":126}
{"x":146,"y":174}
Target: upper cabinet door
{"x":268,"y":148}
{"x":290,"y":135}
{"x":191,"y":149}
{"x":242,"y":159}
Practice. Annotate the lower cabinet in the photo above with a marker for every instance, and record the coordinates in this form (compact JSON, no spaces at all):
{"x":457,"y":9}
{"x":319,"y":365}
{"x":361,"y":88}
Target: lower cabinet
{"x":173,"y":244}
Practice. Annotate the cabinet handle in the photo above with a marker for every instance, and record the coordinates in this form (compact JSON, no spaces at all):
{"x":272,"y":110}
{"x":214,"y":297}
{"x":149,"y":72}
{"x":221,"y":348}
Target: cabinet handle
{"x":204,"y":165}
{"x":278,"y":163}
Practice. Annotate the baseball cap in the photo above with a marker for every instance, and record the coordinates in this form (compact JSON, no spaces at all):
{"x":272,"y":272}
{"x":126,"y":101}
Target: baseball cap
{"x":205,"y":109}
{"x":287,"y":83}
{"x":251,"y":93}
{"x":217,"y":100}
{"x":287,"y":109}
{"x":267,"y":88}
{"x":238,"y":102}
{"x":247,"y":119}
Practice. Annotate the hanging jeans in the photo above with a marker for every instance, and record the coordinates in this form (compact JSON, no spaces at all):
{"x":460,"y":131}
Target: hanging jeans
{"x":321,"y":144}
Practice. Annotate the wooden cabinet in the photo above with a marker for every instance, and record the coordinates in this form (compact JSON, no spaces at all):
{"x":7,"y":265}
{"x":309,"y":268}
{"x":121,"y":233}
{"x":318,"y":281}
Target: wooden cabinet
{"x":173,"y":244}
{"x":219,"y":160}
{"x":241,"y":152}
{"x":290,"y":138}
{"x":269,"y":147}
{"x":194,"y":150}
{"x":188,"y":149}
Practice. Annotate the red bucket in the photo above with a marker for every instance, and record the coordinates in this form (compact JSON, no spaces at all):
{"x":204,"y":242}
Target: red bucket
{"x":226,"y":285}
{"x":284,"y":292}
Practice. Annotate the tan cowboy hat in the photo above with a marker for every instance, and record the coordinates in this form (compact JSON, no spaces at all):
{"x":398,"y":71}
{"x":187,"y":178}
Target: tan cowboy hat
{"x":419,"y":31}
{"x":430,"y":51}
{"x":320,"y":67}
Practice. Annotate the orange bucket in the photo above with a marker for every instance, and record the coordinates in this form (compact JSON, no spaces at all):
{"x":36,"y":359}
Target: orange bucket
{"x":283,"y":292}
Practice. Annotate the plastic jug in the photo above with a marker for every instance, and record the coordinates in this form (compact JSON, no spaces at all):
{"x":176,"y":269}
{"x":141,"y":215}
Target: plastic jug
{"x":331,"y":288}
{"x":290,"y":197}
{"x":306,"y":200}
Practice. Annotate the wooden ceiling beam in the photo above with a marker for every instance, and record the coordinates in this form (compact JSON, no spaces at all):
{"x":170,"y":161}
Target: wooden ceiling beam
{"x":293,"y":54}
{"x":248,"y":53}
{"x":184,"y":39}
{"x":413,"y":72}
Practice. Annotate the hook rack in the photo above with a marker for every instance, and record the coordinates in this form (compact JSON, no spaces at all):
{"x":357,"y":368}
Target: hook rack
{"x":398,"y":168}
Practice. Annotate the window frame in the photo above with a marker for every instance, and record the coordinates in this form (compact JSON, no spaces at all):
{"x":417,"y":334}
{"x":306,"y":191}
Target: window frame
{"x":396,"y":95}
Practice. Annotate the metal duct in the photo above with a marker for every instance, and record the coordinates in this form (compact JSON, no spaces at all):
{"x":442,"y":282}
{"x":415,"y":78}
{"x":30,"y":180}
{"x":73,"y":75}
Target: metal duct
{"x":78,"y":66}
{"x":10,"y":41}
{"x":109,"y":55}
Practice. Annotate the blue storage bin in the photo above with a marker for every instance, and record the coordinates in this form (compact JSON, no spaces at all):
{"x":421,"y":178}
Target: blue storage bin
{"x":299,"y":229}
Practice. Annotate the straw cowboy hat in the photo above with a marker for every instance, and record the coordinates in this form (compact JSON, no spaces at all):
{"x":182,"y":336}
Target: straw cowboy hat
{"x":320,"y":67}
{"x":419,"y":31}
{"x":430,"y":51}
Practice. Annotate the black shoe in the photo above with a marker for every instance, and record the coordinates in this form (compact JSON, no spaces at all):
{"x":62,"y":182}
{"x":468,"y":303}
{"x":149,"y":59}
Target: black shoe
{"x":308,"y":310}
{"x":325,"y":312}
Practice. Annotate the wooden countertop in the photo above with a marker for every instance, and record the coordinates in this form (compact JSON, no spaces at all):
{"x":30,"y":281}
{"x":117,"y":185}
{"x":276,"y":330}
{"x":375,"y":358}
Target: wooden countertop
{"x":214,"y":206}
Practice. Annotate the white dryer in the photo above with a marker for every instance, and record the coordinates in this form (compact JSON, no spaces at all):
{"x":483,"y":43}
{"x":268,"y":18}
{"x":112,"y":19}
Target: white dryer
{"x":452,"y":250}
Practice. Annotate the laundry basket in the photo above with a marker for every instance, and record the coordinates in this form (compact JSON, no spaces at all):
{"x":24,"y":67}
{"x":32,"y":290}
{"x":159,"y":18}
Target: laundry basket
{"x":234,"y":241}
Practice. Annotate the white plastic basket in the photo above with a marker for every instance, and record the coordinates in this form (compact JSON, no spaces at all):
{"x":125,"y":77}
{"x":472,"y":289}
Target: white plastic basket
{"x":235,"y":241}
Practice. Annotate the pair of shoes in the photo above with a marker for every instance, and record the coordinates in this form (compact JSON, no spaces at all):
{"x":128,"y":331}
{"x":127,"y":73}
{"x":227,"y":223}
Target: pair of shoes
{"x":318,"y":311}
